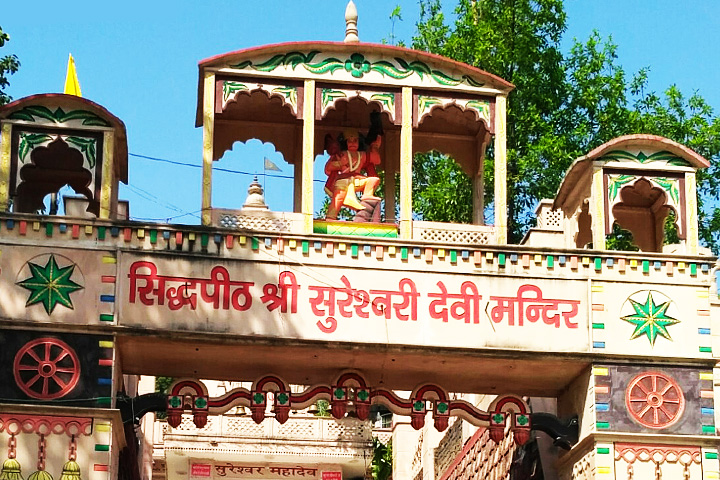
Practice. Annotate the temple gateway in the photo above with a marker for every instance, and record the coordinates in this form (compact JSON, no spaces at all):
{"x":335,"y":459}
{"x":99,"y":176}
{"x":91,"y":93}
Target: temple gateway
{"x":296,"y":345}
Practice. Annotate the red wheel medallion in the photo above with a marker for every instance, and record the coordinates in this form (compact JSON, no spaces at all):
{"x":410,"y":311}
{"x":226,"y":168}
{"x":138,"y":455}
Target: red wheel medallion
{"x":655,"y":400}
{"x":46,"y":368}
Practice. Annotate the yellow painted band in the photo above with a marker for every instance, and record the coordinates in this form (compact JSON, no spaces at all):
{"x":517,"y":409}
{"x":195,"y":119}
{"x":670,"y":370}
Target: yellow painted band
{"x":5,"y":137}
{"x":108,"y":174}
{"x":208,"y":140}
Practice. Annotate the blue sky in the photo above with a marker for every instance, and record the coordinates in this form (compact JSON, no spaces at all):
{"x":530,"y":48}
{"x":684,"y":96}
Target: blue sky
{"x":139,"y":60}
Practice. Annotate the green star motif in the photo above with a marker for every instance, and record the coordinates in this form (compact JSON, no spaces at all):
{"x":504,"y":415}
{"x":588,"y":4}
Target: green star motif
{"x":650,"y":319}
{"x":50,"y":285}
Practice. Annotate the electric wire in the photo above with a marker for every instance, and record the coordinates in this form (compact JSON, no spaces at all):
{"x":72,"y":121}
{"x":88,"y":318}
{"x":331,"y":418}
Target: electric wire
{"x":218,"y":169}
{"x":182,"y":213}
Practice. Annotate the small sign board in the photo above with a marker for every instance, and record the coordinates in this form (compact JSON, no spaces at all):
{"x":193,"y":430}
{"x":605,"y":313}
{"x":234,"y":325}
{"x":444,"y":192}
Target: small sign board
{"x":331,"y":475}
{"x":201,"y":470}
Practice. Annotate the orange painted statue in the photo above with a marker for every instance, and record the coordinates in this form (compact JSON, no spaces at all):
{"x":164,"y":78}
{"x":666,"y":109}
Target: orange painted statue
{"x":351,"y":170}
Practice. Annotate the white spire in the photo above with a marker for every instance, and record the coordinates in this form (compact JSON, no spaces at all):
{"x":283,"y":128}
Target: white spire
{"x":351,"y":18}
{"x":255,"y":199}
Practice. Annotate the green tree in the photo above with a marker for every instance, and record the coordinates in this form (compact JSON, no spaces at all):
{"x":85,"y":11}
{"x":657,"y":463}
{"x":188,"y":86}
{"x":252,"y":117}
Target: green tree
{"x":9,"y":64}
{"x":563,"y":106}
{"x":382,"y":460}
{"x":518,"y":40}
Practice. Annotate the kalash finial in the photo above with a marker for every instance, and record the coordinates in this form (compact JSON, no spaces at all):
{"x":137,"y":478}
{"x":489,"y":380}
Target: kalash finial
{"x":351,"y":18}
{"x":256,"y":198}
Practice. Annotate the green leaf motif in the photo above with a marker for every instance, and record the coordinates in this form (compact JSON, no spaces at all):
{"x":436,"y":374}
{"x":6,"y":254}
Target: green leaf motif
{"x":442,"y":407}
{"x":616,"y":182}
{"x":339,"y":393}
{"x":671,"y":186}
{"x":230,"y":88}
{"x":426,"y":103}
{"x":385,"y":99}
{"x":662,"y":156}
{"x":282,"y":398}
{"x":357,"y":66}
{"x":289,"y":93}
{"x":498,"y":418}
{"x":418,"y":406}
{"x":387,"y":68}
{"x":329,"y":96}
{"x":200,"y":402}
{"x":522,"y":420}
{"x":30,"y":113}
{"x":29,"y":141}
{"x":363,"y":395}
{"x":482,"y":107}
{"x":88,"y":147}
{"x":471,"y":81}
{"x":327,"y":65}
{"x":259,"y":398}
{"x":175,"y":402}
{"x":292,"y":59}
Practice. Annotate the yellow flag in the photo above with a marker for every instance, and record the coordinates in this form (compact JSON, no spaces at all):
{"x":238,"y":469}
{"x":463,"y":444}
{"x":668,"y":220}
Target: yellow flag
{"x":72,"y":85}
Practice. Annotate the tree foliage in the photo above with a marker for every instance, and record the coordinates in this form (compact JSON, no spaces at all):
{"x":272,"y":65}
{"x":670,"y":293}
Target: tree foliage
{"x":563,"y":106}
{"x":9,"y":64}
{"x":382,"y":461}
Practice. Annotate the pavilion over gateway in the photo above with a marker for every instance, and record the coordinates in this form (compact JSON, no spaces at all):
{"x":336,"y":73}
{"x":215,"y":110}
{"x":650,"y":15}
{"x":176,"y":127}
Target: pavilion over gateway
{"x":294,"y":94}
{"x":612,"y":353}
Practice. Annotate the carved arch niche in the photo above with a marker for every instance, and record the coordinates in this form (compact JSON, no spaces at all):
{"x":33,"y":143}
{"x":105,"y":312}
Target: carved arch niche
{"x":459,"y":127}
{"x":247,"y":109}
{"x":640,"y":204}
{"x":48,"y":162}
{"x":339,"y":109}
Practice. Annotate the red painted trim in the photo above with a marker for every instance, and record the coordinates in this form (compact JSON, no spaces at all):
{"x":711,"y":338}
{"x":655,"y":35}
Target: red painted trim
{"x":431,"y":388}
{"x":351,"y":376}
{"x":469,"y":445}
{"x":226,"y":400}
{"x":504,"y":401}
{"x":105,"y":362}
{"x":16,"y":423}
{"x":100,"y":468}
{"x":307,"y":395}
{"x":187,"y":384}
{"x":394,"y":399}
{"x":270,"y":379}
{"x":465,"y":407}
{"x":107,"y":279}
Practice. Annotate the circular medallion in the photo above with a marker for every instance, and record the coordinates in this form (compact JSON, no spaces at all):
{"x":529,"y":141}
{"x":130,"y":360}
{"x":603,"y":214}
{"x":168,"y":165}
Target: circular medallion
{"x":46,"y":368}
{"x":654,"y":400}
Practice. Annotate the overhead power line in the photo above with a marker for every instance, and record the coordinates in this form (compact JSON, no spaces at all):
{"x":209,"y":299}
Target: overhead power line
{"x":218,"y":169}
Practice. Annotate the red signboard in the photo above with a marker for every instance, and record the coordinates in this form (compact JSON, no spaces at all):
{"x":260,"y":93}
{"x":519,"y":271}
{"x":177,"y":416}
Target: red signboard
{"x":331,"y":475}
{"x":200,"y":470}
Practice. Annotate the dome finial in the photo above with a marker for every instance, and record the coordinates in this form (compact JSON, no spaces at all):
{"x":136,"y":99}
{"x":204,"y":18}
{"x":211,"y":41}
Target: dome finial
{"x":351,"y":18}
{"x":256,"y":198}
